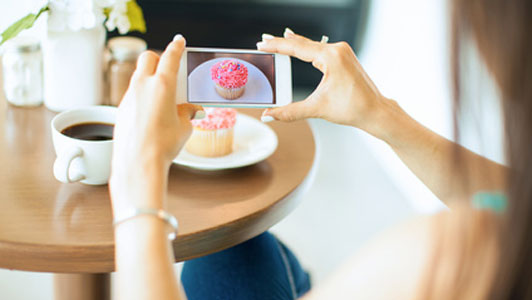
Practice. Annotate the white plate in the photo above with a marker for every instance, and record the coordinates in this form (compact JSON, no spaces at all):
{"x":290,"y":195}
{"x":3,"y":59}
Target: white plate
{"x":201,"y":87}
{"x":254,"y":141}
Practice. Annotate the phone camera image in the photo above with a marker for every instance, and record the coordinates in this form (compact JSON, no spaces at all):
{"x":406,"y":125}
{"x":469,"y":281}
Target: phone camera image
{"x":235,"y":78}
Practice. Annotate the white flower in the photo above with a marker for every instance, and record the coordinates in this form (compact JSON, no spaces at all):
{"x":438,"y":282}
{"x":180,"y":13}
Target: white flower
{"x":85,"y":14}
{"x":105,"y":3}
{"x":118,"y":16}
{"x":75,"y":14}
{"x":123,"y":24}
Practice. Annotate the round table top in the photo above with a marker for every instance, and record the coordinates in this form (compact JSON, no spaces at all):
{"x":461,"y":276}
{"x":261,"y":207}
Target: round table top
{"x":50,"y":226}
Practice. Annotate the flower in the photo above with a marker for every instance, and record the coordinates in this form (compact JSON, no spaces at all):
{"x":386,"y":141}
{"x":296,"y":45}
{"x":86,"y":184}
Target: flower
{"x":117,"y":17}
{"x":105,"y":3}
{"x":74,"y":15}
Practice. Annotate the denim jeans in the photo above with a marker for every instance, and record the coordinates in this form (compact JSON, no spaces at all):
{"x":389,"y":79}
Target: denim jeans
{"x":260,"y":268}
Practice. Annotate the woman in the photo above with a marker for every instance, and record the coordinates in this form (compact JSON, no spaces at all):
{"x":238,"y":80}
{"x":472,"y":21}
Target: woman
{"x":481,"y":250}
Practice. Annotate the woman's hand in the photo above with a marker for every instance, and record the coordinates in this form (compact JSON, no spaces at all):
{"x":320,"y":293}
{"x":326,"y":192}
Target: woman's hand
{"x":149,"y":130}
{"x":345,"y":95}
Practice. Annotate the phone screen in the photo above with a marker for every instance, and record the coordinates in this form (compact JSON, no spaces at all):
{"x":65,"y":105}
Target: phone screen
{"x":226,"y":77}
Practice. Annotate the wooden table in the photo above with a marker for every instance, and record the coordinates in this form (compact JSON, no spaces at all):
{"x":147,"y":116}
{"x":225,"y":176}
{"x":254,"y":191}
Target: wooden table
{"x":48,"y":226}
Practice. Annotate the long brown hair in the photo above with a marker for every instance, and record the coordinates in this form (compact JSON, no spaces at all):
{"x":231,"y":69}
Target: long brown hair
{"x":502,"y":30}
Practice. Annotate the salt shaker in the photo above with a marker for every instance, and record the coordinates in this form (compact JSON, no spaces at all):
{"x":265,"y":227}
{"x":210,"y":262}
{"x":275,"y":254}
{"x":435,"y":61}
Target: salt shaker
{"x":22,"y":72}
{"x":124,"y":51}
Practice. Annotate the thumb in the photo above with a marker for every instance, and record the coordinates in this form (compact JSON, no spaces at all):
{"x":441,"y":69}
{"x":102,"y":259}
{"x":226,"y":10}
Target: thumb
{"x":292,"y":112}
{"x":185,"y":113}
{"x":189,"y":111}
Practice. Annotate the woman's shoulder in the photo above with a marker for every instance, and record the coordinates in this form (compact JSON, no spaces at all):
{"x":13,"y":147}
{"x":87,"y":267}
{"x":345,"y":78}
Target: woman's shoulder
{"x":405,"y":261}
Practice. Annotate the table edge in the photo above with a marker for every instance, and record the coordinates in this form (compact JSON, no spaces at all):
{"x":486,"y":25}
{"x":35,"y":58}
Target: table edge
{"x":37,"y":257}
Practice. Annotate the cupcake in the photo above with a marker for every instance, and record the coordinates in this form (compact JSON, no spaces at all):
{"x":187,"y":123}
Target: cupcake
{"x":230,"y":77}
{"x":212,"y":136}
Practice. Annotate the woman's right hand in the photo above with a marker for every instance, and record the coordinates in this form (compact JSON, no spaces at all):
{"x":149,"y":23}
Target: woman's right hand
{"x":346,"y":95}
{"x":150,"y":131}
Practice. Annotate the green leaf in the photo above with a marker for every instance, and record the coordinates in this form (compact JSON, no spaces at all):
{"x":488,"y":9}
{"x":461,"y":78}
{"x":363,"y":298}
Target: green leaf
{"x":106,"y":11}
{"x":135,"y":16}
{"x":24,"y":23}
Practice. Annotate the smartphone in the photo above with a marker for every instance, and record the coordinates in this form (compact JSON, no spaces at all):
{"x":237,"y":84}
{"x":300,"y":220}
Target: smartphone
{"x":234,"y":78}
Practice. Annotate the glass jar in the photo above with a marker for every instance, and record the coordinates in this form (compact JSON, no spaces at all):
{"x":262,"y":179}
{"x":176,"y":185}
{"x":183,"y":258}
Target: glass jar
{"x":124,"y":53}
{"x":22,"y":72}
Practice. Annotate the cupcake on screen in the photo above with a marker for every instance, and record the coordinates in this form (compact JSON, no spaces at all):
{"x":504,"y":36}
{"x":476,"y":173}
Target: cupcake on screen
{"x":212,"y":136}
{"x":230,"y":77}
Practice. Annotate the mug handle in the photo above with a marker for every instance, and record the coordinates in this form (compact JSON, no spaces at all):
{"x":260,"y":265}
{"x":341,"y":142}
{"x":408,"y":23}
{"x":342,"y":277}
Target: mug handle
{"x":62,"y":166}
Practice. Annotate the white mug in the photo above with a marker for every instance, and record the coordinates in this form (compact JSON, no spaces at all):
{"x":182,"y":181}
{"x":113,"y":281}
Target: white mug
{"x":85,"y":161}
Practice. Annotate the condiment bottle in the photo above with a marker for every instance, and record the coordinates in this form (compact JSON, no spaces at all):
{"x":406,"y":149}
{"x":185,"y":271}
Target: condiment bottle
{"x":22,"y":71}
{"x":124,"y":53}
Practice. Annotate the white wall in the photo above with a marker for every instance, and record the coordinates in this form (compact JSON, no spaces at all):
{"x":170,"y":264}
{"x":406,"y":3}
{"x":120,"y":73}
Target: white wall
{"x":406,"y":53}
{"x":12,"y":10}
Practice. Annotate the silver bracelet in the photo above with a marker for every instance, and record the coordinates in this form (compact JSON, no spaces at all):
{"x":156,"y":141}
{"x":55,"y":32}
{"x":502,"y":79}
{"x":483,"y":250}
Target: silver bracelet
{"x":159,"y":213}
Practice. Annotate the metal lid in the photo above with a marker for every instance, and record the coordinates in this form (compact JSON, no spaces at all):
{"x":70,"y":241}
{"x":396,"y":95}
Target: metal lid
{"x":22,"y":44}
{"x":126,"y":47}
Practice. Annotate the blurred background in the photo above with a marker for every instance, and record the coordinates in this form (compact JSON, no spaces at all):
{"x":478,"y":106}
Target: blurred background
{"x":239,"y":23}
{"x":358,"y":187}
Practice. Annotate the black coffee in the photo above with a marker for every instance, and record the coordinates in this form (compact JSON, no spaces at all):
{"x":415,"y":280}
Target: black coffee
{"x":90,"y":131}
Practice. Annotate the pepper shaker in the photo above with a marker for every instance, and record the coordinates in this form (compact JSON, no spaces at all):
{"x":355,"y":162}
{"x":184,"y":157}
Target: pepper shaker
{"x":124,"y":54}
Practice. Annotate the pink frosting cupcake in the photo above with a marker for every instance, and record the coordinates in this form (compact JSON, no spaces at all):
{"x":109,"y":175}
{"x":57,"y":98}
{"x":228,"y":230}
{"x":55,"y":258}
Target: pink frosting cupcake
{"x":230,"y":77}
{"x":213,"y":135}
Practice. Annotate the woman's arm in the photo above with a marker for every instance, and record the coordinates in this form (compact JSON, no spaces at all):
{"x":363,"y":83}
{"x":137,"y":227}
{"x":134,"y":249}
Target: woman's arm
{"x":143,"y":254}
{"x":390,"y":266}
{"x":144,"y":261}
{"x":420,"y":259}
{"x":149,"y":132}
{"x":449,"y":170}
{"x":346,"y":95}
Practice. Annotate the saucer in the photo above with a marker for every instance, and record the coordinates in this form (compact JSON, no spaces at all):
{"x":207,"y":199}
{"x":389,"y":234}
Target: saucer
{"x":254,"y":141}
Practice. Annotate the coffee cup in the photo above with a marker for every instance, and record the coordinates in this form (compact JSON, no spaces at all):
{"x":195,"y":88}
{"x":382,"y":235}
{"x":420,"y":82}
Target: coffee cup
{"x":83,"y":144}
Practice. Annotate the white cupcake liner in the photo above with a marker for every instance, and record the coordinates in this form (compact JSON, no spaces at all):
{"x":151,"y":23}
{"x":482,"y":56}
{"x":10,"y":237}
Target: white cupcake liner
{"x":229,"y":93}
{"x":210,"y":143}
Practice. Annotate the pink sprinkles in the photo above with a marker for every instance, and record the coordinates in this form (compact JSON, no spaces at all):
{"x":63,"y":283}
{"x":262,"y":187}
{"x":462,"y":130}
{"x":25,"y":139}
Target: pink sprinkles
{"x":229,"y":74}
{"x":216,"y":118}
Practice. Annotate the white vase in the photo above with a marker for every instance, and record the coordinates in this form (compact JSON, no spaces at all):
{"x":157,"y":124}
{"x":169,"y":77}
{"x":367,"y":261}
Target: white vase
{"x":73,"y":68}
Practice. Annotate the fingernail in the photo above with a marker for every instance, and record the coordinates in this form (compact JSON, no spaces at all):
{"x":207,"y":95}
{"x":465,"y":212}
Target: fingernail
{"x":288,"y":30}
{"x":179,"y":37}
{"x":324,"y":39}
{"x":200,"y":114}
{"x":266,"y":119}
{"x":267,"y":36}
{"x":260,"y":45}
